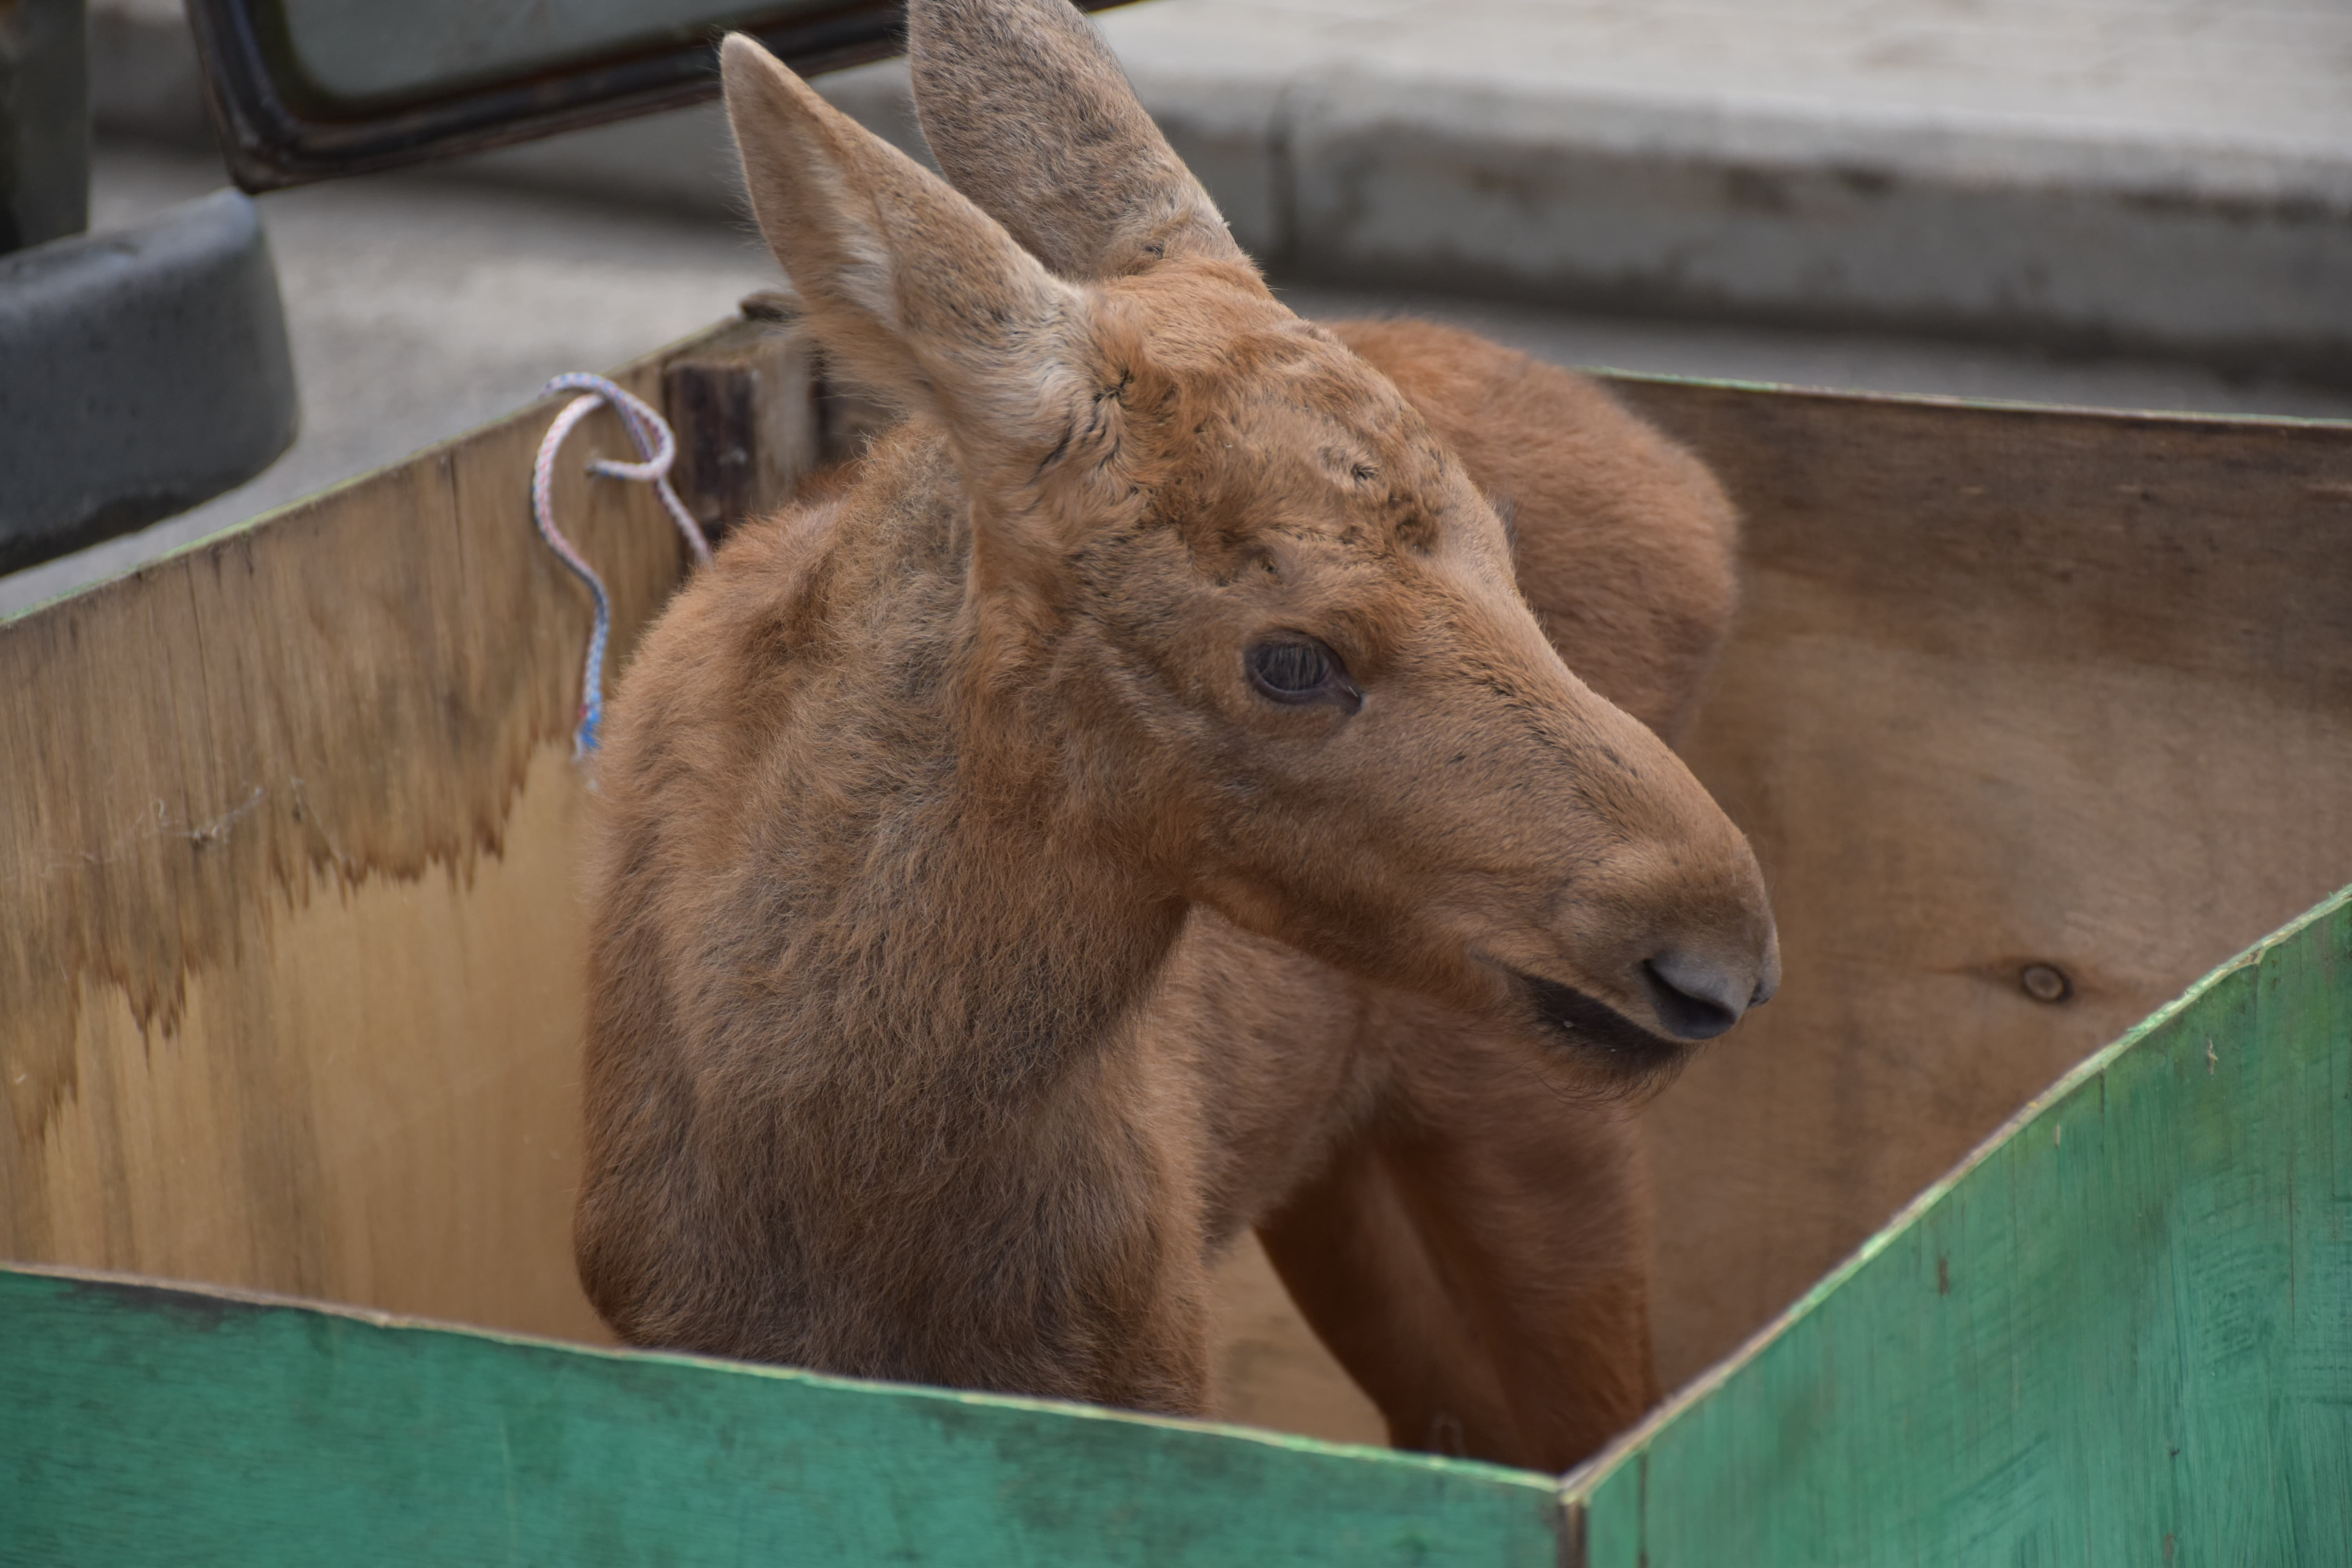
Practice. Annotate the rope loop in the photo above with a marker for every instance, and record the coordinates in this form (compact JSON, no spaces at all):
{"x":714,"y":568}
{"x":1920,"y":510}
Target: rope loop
{"x":657,"y":449}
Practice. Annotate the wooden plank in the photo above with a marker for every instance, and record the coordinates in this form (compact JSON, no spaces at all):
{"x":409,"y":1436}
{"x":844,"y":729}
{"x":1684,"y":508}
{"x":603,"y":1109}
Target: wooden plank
{"x":747,"y":415}
{"x":165,"y":1426}
{"x":2012,"y":687}
{"x":2122,"y":1333}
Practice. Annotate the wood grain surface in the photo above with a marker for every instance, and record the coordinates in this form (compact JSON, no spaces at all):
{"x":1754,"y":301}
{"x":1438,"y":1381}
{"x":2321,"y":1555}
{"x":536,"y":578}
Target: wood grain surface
{"x":2012,"y":687}
{"x":291,"y":945}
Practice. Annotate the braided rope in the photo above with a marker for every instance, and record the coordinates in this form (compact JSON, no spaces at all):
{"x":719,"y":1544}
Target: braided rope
{"x":658,"y":449}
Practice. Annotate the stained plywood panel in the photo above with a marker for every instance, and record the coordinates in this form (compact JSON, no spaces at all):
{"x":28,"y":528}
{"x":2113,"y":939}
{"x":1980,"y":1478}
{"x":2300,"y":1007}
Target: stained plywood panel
{"x":2010,"y":687}
{"x":291,"y":943}
{"x":378,"y":1103}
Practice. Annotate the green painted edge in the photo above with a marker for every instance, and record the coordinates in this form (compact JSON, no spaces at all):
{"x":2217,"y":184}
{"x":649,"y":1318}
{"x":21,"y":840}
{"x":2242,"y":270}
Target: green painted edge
{"x":191,"y":1419}
{"x":1579,"y":1486}
{"x":1258,"y":1435}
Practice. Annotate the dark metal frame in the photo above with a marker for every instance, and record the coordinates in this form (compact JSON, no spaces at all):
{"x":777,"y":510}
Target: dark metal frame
{"x":272,"y":138}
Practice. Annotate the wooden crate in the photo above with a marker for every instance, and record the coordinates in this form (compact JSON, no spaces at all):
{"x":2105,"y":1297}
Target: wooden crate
{"x":290,"y":951}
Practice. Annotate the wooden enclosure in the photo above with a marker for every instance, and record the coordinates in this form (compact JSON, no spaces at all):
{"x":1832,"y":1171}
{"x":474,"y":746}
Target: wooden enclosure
{"x":2033,"y":716}
{"x":2124,"y":1346}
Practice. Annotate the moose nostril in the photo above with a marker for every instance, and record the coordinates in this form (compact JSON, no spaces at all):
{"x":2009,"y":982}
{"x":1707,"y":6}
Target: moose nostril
{"x":1694,"y":1001}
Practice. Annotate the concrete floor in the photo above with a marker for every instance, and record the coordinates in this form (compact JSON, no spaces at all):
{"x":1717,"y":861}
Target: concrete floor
{"x":421,"y":307}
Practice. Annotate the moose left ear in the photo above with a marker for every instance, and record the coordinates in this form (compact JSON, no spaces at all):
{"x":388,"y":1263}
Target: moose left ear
{"x":1029,"y":113}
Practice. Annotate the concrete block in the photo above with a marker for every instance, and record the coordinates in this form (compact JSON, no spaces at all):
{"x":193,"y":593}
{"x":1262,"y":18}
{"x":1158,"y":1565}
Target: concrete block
{"x":1834,"y":221}
{"x":140,"y":372}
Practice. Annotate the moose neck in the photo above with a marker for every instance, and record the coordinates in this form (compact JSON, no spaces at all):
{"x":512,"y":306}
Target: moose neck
{"x":991,"y":931}
{"x":1052,"y":946}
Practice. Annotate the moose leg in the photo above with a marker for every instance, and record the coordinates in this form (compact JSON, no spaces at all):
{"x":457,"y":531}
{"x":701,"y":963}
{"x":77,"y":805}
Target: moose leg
{"x":1476,"y":1262}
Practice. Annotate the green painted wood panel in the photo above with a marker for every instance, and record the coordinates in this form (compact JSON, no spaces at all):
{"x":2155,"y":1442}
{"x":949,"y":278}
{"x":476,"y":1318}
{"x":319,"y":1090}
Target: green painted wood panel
{"x":2121,"y":1333}
{"x":145,"y":1425}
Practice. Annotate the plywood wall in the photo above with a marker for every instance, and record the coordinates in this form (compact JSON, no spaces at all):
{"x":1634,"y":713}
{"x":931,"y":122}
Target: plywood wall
{"x":2012,"y":688}
{"x":291,"y":943}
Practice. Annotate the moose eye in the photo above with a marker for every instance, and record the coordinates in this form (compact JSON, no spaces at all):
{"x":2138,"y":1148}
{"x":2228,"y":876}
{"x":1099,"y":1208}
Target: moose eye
{"x":1300,"y":669}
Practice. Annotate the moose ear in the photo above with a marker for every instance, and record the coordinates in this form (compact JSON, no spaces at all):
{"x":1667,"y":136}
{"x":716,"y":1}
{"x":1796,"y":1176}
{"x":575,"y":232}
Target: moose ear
{"x":911,"y":288}
{"x":1028,"y":112}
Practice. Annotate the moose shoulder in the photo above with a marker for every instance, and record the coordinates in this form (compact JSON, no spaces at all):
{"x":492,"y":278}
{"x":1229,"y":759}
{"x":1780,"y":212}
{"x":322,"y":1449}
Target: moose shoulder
{"x":1141,"y":805}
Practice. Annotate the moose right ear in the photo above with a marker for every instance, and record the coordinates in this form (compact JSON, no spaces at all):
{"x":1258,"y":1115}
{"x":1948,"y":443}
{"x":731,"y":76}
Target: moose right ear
{"x":911,"y":288}
{"x":1029,"y":113}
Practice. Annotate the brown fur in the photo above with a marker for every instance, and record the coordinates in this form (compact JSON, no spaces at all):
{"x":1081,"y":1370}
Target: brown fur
{"x":1623,"y":542}
{"x":977,"y":950}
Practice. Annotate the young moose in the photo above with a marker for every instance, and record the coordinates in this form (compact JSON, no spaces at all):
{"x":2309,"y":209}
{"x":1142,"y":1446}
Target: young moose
{"x":1140,"y":805}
